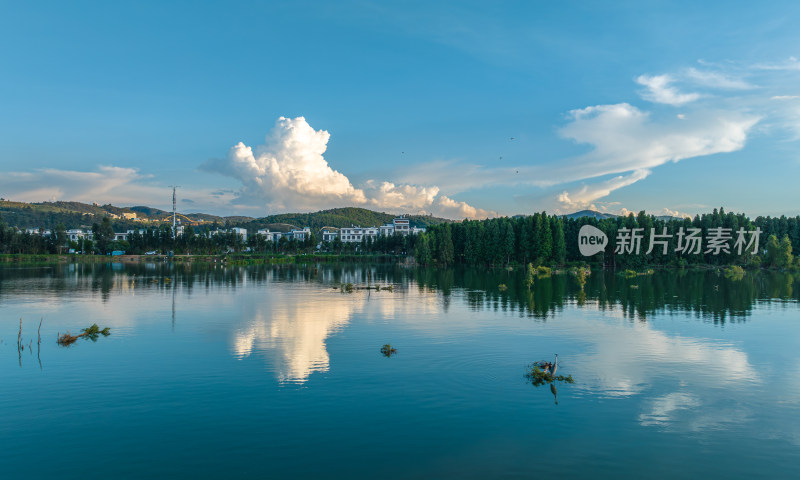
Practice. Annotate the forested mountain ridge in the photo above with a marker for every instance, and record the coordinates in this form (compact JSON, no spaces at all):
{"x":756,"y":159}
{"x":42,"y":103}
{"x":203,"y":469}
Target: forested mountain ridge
{"x":339,"y":218}
{"x":48,"y":215}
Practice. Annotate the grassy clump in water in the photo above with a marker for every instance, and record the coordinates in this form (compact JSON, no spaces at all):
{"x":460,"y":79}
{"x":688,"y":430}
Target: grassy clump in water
{"x":538,"y":377}
{"x":734,"y":272}
{"x":388,"y":350}
{"x":347,"y":288}
{"x":91,"y":333}
{"x":543,"y":272}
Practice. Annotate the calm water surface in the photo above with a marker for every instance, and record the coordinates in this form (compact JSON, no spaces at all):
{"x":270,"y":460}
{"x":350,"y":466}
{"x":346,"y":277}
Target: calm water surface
{"x":274,"y":372}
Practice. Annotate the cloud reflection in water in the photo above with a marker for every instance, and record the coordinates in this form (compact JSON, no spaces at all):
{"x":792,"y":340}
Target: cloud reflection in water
{"x":293,"y":333}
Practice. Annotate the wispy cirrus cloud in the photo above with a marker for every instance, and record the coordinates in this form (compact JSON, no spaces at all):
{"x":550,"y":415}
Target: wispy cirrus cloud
{"x":624,"y":138}
{"x":717,"y":79}
{"x":623,"y":141}
{"x":660,"y":89}
{"x":107,"y":184}
{"x":124,"y":185}
{"x":583,"y":197}
{"x":720,"y":108}
{"x":790,"y":63}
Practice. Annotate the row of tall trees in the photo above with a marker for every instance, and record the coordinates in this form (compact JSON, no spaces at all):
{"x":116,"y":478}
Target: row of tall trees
{"x":540,"y":239}
{"x":544,"y":239}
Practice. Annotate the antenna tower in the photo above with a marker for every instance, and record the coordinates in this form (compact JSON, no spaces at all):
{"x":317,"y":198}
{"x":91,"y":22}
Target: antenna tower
{"x":174,"y":210}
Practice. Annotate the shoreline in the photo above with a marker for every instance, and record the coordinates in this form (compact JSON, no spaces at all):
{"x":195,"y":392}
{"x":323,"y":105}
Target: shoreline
{"x":242,"y":259}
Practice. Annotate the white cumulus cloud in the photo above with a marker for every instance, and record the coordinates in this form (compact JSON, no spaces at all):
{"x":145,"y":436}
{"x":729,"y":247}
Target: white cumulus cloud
{"x":450,"y":208}
{"x":289,"y":172}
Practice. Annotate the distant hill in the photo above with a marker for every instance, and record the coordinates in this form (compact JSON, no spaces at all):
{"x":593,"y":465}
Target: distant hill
{"x":49,"y":214}
{"x":155,"y":213}
{"x":590,"y":213}
{"x":81,"y":215}
{"x":339,"y":218}
{"x":669,"y":218}
{"x":149,"y":211}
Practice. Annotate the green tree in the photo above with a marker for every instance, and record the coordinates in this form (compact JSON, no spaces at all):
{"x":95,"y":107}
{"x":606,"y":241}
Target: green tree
{"x":60,"y":237}
{"x":508,"y":241}
{"x":103,"y":234}
{"x":559,"y":244}
{"x":786,"y":258}
{"x":422,"y":252}
{"x":445,"y":250}
{"x":544,"y":237}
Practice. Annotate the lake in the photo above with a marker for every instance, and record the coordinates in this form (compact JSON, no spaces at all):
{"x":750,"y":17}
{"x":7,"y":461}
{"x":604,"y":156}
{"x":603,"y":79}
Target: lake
{"x":216,"y":371}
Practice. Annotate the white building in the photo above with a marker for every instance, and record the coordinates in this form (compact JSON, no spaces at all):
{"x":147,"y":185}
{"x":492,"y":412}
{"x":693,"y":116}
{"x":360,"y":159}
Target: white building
{"x":357,"y":234}
{"x":386,"y":230}
{"x":270,"y":236}
{"x":351,"y":234}
{"x":38,"y":231}
{"x":76,"y":234}
{"x":329,"y":235}
{"x":242,"y":232}
{"x":401,"y":226}
{"x":300,"y":235}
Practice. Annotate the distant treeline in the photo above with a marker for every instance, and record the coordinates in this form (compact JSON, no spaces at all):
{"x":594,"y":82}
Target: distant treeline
{"x":539,"y":239}
{"x":194,"y":241}
{"x":544,"y":239}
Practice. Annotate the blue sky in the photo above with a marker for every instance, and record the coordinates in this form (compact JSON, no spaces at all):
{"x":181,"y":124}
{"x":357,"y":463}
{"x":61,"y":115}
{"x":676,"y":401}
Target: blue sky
{"x":256,"y":108}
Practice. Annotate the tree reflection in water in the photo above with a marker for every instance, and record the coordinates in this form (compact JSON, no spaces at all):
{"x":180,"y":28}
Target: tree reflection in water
{"x":706,"y":294}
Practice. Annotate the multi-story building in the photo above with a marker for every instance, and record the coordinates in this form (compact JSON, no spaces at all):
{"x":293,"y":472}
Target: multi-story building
{"x":386,"y":230}
{"x":242,"y":232}
{"x":329,"y":235}
{"x":351,"y":234}
{"x":269,"y":236}
{"x":357,"y":234}
{"x":76,"y":234}
{"x":300,"y":235}
{"x":401,"y":226}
